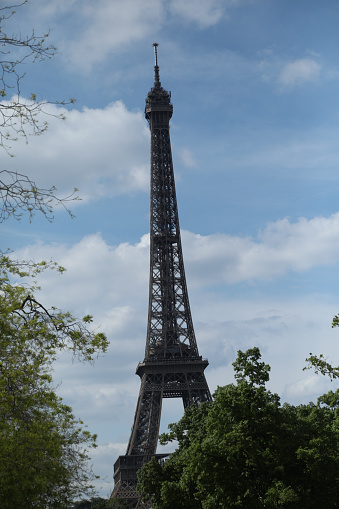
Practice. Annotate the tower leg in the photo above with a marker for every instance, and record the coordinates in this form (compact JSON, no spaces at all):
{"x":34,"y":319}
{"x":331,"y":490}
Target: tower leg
{"x":145,"y":430}
{"x":161,"y":380}
{"x":142,"y":444}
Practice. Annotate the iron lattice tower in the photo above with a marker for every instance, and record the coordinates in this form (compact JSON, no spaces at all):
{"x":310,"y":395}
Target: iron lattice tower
{"x":172,"y":367}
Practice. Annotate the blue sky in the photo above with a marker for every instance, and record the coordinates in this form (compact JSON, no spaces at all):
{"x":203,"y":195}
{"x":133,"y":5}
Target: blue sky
{"x":255,"y":147}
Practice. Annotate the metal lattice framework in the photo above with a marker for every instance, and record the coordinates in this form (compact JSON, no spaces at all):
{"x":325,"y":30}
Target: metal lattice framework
{"x":172,"y":367}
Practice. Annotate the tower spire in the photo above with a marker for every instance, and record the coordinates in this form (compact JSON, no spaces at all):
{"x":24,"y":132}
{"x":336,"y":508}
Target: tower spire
{"x":155,"y":45}
{"x":157,"y":83}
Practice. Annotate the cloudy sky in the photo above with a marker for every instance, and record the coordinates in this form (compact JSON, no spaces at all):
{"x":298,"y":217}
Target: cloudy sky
{"x":254,"y":136}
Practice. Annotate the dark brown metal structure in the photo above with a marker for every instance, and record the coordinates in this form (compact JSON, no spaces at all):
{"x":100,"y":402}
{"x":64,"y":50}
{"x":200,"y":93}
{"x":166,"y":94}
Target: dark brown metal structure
{"x":172,"y":367}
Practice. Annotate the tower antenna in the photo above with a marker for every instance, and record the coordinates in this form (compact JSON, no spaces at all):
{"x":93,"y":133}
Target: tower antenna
{"x":156,"y":67}
{"x":155,"y":45}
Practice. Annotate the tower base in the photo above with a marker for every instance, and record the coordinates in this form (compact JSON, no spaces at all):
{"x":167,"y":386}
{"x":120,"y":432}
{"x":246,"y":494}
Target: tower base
{"x":126,"y":479}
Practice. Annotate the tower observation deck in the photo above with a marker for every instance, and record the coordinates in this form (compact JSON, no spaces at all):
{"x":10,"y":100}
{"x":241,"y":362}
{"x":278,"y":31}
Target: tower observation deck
{"x":172,"y":366}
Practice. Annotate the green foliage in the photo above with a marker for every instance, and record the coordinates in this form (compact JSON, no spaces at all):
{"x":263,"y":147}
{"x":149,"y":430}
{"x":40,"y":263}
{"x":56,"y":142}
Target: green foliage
{"x":246,"y":450}
{"x":19,"y":195}
{"x":248,"y":368}
{"x":101,"y":503}
{"x":43,"y":447}
{"x":21,"y":117}
{"x":320,"y":364}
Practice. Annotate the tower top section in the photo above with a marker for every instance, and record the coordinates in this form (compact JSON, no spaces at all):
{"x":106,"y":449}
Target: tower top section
{"x":158,"y":99}
{"x":156,"y":67}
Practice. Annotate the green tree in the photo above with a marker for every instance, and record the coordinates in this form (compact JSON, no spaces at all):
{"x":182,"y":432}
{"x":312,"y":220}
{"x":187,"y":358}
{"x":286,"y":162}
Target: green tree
{"x":246,"y":450}
{"x":20,"y":116}
{"x":43,"y":447}
{"x":23,"y":116}
{"x":319,"y":362}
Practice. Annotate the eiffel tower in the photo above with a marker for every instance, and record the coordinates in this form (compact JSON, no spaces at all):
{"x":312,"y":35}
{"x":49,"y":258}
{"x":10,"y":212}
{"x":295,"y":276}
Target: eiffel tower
{"x":172,"y":367}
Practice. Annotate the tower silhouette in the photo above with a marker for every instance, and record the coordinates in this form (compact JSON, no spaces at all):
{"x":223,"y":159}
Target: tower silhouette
{"x":172,"y":367}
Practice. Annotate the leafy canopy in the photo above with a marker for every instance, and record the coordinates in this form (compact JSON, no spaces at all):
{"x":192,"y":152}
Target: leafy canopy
{"x":319,"y":362}
{"x":21,"y":117}
{"x":246,"y":450}
{"x":43,"y":447}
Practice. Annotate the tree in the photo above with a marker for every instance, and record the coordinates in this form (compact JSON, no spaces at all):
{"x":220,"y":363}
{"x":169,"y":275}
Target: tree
{"x":246,"y":450}
{"x":22,"y":117}
{"x":20,"y":195}
{"x":43,"y":447}
{"x":43,"y":455}
{"x":319,"y":363}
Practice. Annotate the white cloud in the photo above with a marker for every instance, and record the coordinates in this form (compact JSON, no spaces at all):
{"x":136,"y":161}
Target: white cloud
{"x":88,"y":262}
{"x":98,"y":28}
{"x":306,"y":387}
{"x":111,"y":282}
{"x":187,"y":158}
{"x":281,"y":247}
{"x":102,"y":152}
{"x":300,"y":71}
{"x":104,"y":457}
{"x":51,"y":8}
{"x":203,"y":12}
{"x":211,"y":260}
{"x":112,"y":24}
